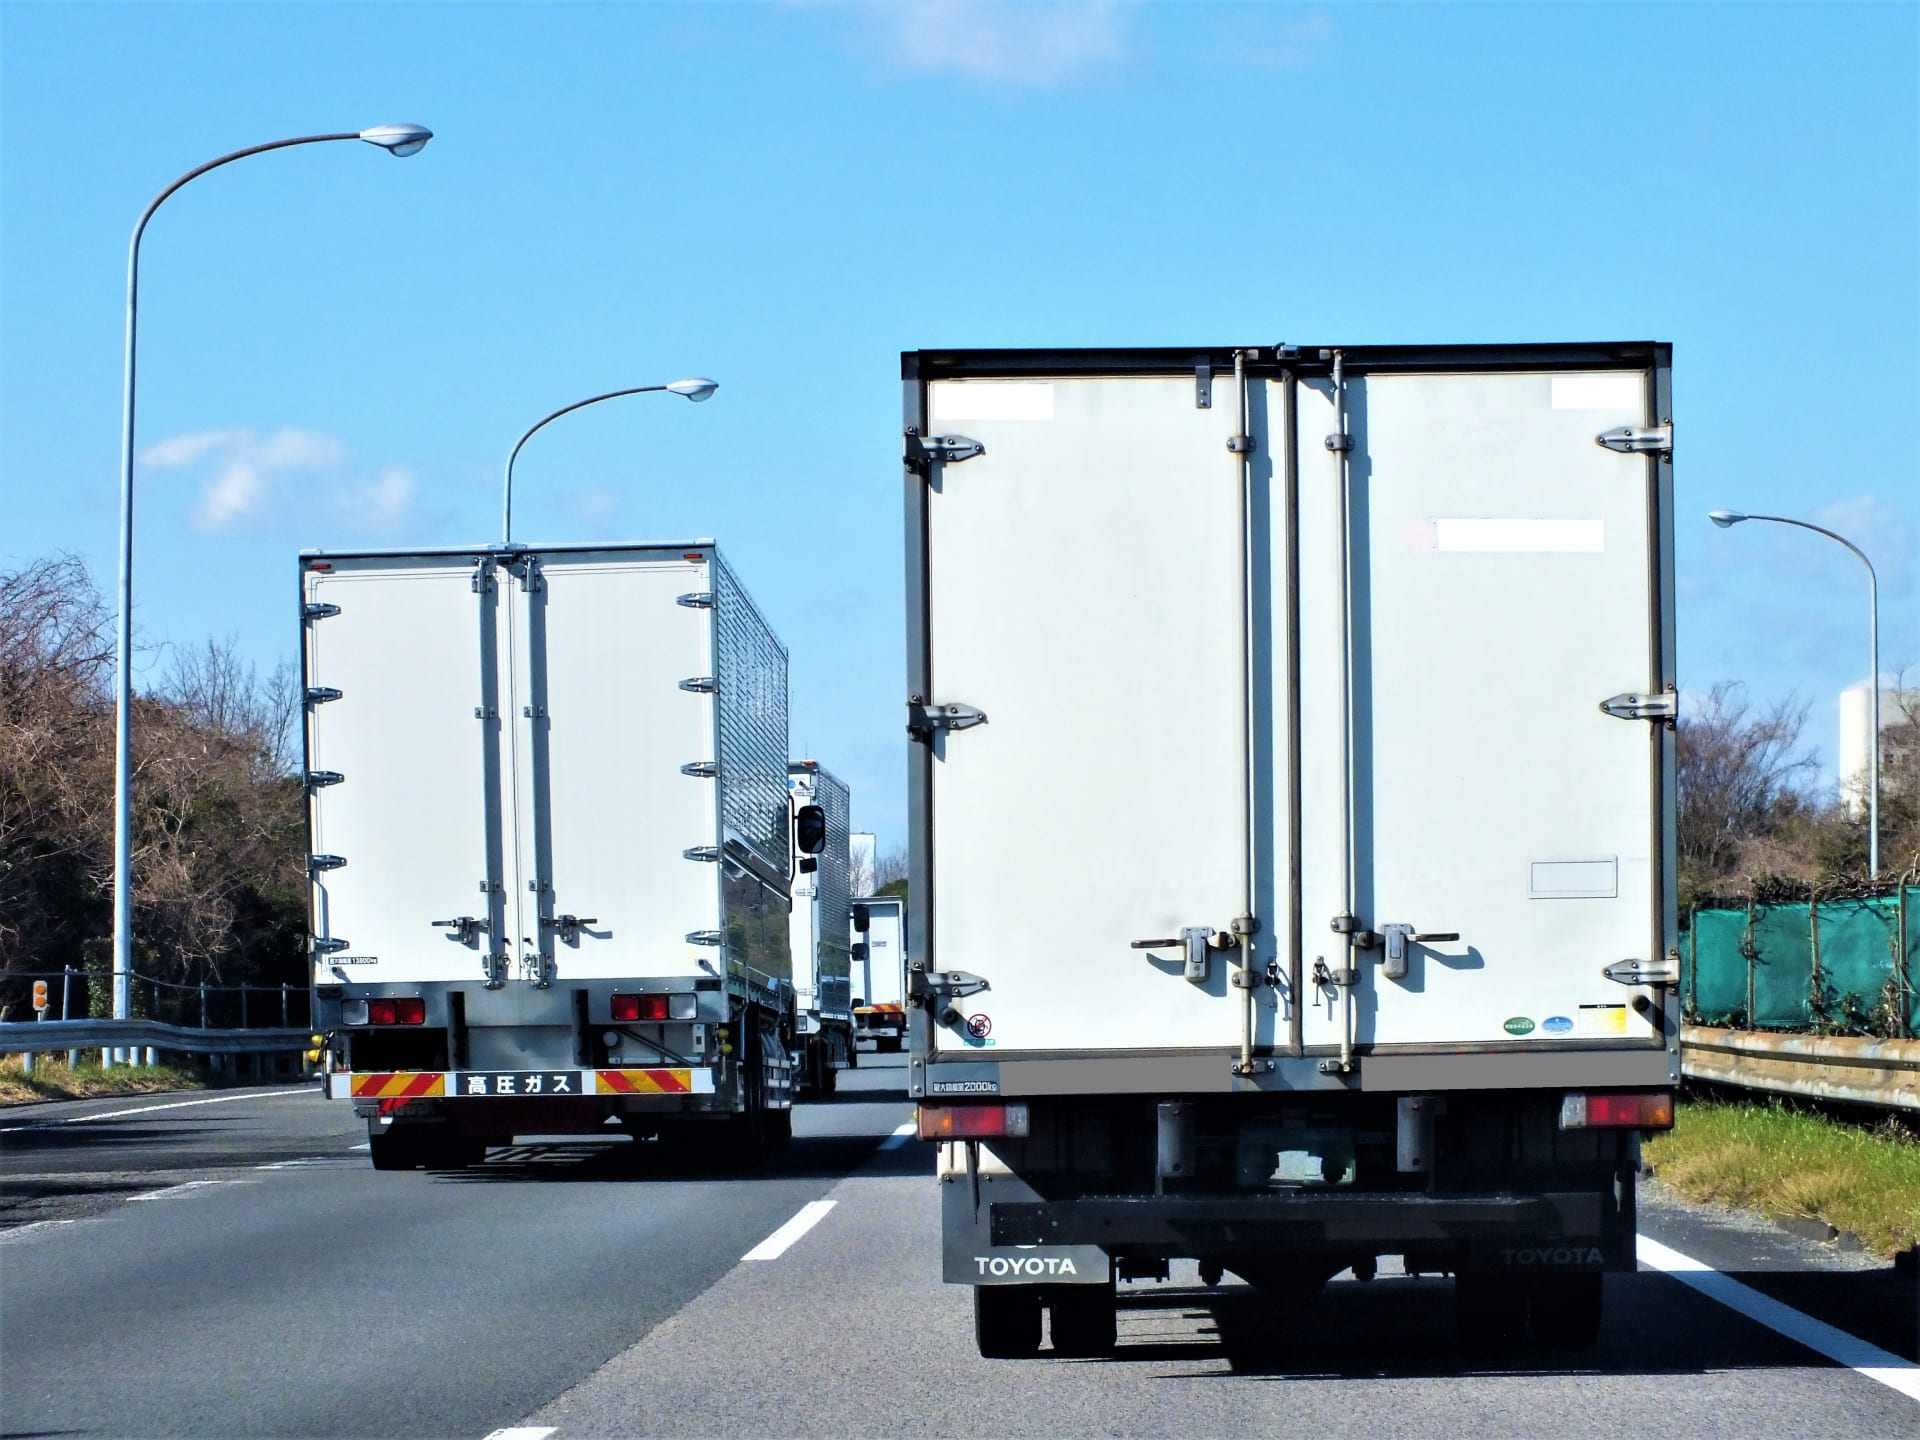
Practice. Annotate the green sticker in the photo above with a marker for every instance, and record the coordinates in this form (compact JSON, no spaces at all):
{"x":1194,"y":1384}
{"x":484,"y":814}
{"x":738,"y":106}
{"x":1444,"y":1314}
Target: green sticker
{"x":1519,"y":1025}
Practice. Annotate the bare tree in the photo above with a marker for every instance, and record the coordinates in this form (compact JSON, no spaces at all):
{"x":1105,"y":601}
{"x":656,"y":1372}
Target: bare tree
{"x":1741,"y":774}
{"x":890,"y":869}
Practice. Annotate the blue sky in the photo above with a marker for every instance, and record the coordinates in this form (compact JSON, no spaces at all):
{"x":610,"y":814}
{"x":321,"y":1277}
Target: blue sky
{"x":338,"y":348}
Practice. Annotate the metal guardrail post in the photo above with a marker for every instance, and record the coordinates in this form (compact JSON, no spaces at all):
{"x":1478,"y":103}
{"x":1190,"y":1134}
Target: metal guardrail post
{"x":283,"y":1004}
{"x":203,"y":1004}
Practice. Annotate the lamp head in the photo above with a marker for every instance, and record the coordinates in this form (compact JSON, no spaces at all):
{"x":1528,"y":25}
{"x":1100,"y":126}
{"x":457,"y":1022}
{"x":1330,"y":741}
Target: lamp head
{"x":1725,"y":518}
{"x":696,"y":389}
{"x":400,"y":140}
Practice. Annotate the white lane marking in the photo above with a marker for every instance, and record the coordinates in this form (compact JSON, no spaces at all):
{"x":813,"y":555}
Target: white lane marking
{"x":775,"y":1245}
{"x":900,"y":1137}
{"x":523,"y":1432}
{"x":6,"y":1235}
{"x":177,"y":1189}
{"x":149,"y":1109}
{"x":363,"y":1145}
{"x":1849,"y":1350}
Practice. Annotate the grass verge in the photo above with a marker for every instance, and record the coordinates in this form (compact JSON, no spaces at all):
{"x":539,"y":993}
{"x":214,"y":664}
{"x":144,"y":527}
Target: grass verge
{"x":54,"y":1079}
{"x":1785,"y":1160}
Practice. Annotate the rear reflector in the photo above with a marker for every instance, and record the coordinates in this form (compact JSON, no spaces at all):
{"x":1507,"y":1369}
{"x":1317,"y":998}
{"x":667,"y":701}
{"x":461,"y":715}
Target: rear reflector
{"x":1613,"y":1111}
{"x":972,"y":1122}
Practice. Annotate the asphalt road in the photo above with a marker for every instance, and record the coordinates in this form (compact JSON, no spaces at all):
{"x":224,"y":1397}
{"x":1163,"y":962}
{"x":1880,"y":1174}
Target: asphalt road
{"x":236,"y":1268}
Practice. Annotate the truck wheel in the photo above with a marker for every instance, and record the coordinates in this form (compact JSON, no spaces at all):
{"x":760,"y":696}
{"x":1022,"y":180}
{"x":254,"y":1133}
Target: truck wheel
{"x":394,"y":1149}
{"x":829,"y":1078}
{"x":779,"y":1128}
{"x":1490,"y":1310}
{"x":1566,"y":1310}
{"x":1006,"y":1321}
{"x":456,"y":1152}
{"x":1086,"y":1321}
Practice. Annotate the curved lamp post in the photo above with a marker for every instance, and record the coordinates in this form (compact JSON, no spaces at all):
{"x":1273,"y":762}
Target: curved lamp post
{"x":695,"y":390}
{"x":1727,"y":518}
{"x":395,"y":140}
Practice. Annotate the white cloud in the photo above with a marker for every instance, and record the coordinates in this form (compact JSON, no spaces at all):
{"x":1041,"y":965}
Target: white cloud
{"x":1884,"y":530}
{"x":1001,"y":42}
{"x":301,"y":478}
{"x":1273,"y":38}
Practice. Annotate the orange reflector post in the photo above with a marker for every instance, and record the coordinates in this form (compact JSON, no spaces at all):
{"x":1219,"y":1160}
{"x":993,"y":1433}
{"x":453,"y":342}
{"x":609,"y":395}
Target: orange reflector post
{"x":1614,"y":1111}
{"x":972,"y":1122}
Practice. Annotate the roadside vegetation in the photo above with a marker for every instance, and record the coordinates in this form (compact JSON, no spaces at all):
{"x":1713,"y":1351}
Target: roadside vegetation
{"x":54,"y":1079}
{"x":1789,"y":1160}
{"x":1752,"y":823}
{"x":217,"y":818}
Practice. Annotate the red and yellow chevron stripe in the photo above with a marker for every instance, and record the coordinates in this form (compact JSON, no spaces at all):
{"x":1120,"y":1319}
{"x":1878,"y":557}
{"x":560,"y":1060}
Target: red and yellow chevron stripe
{"x":642,"y":1082}
{"x":406,"y":1085}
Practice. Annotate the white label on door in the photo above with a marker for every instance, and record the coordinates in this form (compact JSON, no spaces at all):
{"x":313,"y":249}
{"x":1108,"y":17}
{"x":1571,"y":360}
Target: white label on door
{"x":1598,"y":392}
{"x":1596,"y":879}
{"x":1518,"y":536}
{"x":993,"y":400}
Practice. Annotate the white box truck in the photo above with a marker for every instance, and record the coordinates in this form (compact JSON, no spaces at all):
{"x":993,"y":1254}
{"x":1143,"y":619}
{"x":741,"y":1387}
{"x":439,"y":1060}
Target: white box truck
{"x":549,"y":846}
{"x":879,"y":973}
{"x":1291,"y":809}
{"x":823,"y":990}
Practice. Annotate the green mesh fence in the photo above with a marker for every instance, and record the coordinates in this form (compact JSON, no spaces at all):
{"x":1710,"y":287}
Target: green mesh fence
{"x":1845,"y":967}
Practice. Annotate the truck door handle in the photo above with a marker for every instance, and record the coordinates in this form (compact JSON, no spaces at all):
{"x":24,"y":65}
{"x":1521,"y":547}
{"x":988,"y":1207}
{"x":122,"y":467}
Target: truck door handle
{"x":1398,"y":937}
{"x":1193,"y":946}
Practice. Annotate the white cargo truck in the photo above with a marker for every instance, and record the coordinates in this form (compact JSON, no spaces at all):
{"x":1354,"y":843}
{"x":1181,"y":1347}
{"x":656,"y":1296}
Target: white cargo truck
{"x":549,"y":846}
{"x":823,"y":998}
{"x":879,"y":972}
{"x":1291,"y":806}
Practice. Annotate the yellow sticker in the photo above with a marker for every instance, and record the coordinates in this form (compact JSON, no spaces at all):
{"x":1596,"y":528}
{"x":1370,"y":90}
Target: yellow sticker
{"x":1603,"y":1019}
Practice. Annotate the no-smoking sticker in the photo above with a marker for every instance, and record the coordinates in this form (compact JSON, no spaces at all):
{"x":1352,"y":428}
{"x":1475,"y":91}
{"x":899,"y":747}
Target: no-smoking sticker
{"x":979,"y":1026}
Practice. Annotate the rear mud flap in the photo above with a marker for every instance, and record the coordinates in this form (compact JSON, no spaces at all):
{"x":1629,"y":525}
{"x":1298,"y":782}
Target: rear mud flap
{"x":968,"y":1256}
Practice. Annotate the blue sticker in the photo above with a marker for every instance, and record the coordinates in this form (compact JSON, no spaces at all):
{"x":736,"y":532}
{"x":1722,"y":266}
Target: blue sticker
{"x":1556,"y":1025}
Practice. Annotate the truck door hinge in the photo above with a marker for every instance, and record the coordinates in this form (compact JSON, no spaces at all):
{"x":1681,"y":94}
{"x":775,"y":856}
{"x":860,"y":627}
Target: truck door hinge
{"x":482,"y":581}
{"x":494,"y":968}
{"x":707,"y":853}
{"x":1664,"y":707}
{"x":318,"y":610}
{"x":924,"y":719}
{"x":318,"y":863}
{"x":701,"y":769}
{"x":700,"y":684}
{"x":1645,"y":972}
{"x":923,"y":454}
{"x":317,"y":779}
{"x":321,"y":694}
{"x":1639,"y":439}
{"x":1203,"y":382}
{"x":938,"y":989}
{"x":695,"y":600}
{"x":326,"y":945}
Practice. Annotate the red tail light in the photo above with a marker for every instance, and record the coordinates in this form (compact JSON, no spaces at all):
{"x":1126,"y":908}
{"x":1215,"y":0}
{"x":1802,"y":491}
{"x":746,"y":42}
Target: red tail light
{"x":380,"y":1012}
{"x":653,"y":1007}
{"x":972,"y":1122}
{"x":1614,"y":1111}
{"x":626,"y":1007}
{"x":410,"y":1011}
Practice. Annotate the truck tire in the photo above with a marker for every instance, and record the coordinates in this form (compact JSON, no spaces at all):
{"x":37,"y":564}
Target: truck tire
{"x":393,"y":1151}
{"x":1006,"y":1321}
{"x":1566,"y":1310}
{"x":779,"y":1128}
{"x":1086,"y":1321}
{"x":1490,"y":1310}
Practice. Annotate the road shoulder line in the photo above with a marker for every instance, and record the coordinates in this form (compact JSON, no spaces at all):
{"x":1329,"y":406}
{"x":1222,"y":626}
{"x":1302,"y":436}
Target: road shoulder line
{"x":1858,"y":1355}
{"x":777,"y":1244}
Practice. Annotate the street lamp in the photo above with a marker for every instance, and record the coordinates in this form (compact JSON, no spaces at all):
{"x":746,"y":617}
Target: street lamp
{"x":1725,"y":519}
{"x":399,"y":140}
{"x":695,"y":390}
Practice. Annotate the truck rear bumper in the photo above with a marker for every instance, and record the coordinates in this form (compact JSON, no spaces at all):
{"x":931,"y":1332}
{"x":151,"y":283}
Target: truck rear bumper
{"x":1206,"y":1224}
{"x":410,"y":1085}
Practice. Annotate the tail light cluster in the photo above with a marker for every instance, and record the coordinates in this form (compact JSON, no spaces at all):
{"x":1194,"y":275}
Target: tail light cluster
{"x":972,"y":1122}
{"x":682,"y":1006}
{"x":398,"y":1010}
{"x":1614,"y":1111}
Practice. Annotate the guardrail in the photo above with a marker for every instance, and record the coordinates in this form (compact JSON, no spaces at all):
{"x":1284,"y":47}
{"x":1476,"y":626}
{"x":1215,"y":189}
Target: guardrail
{"x":29,"y":1036}
{"x":1850,"y":1068}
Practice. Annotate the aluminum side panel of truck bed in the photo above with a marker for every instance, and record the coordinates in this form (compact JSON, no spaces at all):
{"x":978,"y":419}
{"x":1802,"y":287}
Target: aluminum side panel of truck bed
{"x":1437,"y":613}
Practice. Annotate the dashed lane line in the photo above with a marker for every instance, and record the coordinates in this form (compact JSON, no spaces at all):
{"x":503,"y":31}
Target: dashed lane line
{"x":523,"y":1432}
{"x":1837,"y":1345}
{"x":777,"y":1244}
{"x":900,"y":1136}
{"x":150,"y":1109}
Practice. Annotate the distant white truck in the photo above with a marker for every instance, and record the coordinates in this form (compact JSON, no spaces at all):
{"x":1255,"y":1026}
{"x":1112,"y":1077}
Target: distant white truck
{"x":1292,"y":811}
{"x":550,"y":846}
{"x":817,"y":927}
{"x":879,"y":972}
